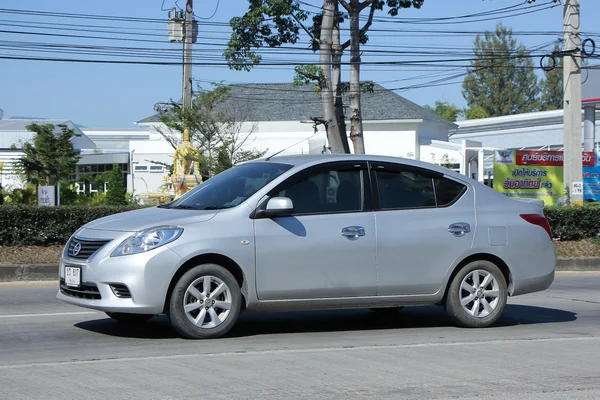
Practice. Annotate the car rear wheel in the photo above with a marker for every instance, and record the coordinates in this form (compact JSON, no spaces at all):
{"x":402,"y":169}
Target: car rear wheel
{"x":477,"y":295}
{"x":130,"y":318}
{"x":205,"y":303}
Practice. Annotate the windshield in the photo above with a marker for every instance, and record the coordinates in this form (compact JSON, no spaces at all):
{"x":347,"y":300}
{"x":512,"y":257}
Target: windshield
{"x":231,"y":187}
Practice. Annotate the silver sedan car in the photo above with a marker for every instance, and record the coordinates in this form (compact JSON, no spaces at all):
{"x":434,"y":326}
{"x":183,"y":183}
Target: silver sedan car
{"x":313,"y":232}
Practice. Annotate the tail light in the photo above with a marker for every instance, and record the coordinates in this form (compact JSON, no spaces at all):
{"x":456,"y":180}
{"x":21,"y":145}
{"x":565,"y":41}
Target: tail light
{"x":539,"y":220}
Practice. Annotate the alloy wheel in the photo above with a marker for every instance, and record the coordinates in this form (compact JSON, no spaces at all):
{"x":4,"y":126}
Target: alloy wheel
{"x":207,"y":302}
{"x":479,"y":293}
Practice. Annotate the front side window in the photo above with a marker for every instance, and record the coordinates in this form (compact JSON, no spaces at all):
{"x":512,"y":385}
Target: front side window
{"x":404,"y":189}
{"x":329,"y":191}
{"x":231,"y":187}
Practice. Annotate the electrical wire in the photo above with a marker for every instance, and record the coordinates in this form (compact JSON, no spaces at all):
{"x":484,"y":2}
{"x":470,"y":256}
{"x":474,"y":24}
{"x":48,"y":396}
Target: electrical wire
{"x":213,"y":14}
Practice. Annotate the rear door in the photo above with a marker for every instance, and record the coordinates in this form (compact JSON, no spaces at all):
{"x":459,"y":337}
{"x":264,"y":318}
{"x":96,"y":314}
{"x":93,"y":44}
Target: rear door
{"x":425,"y":221}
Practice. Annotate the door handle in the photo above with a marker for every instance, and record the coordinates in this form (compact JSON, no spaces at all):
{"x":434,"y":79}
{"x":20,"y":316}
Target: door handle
{"x":353,"y":232}
{"x":459,"y":229}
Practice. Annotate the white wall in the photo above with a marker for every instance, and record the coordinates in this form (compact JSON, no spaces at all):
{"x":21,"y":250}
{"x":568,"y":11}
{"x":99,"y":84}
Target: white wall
{"x":142,"y":154}
{"x":393,"y":138}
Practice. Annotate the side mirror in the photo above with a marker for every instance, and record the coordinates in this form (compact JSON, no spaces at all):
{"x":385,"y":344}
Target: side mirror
{"x":278,"y":207}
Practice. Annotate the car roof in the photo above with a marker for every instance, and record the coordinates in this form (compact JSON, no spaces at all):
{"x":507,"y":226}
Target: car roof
{"x":314,"y":159}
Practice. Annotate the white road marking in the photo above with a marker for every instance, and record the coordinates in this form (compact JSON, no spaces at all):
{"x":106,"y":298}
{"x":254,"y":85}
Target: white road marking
{"x":304,"y":351}
{"x":48,"y":314}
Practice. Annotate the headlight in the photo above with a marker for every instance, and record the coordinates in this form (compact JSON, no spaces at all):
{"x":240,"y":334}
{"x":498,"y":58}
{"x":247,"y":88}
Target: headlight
{"x":147,"y":239}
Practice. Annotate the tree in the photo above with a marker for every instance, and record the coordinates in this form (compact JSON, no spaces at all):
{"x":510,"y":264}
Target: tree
{"x":501,"y":79}
{"x":552,"y":85}
{"x":116,"y":191}
{"x":214,"y":127}
{"x":445,"y":110}
{"x":234,"y":137}
{"x":51,"y":157}
{"x":475,"y":112}
{"x":278,"y":22}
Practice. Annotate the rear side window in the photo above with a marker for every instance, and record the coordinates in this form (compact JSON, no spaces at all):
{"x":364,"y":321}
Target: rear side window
{"x":405,"y":189}
{"x":448,"y":191}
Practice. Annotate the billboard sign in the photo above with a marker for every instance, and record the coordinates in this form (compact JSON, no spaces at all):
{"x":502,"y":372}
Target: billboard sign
{"x":537,"y":174}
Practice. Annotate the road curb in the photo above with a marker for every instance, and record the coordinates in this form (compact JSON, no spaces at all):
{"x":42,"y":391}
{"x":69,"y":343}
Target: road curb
{"x":49,"y":272}
{"x":28,"y":272}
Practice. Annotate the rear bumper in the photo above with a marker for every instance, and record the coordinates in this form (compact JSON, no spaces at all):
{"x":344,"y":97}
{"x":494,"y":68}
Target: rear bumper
{"x":535,"y":284}
{"x":535,"y":271}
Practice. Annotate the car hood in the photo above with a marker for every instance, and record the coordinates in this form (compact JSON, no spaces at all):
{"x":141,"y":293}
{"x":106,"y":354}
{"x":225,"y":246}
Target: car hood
{"x":137,"y":220}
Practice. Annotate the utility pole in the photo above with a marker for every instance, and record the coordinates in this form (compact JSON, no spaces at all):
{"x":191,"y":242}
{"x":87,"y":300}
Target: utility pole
{"x":186,"y":174}
{"x":572,"y":101}
{"x":187,"y":62}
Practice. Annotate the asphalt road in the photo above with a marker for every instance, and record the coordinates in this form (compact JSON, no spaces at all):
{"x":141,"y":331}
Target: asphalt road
{"x":546,"y":346}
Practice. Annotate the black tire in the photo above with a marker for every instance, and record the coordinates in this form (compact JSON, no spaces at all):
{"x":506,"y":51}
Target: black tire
{"x":130,"y":318}
{"x":387,"y":310}
{"x":179,"y":318}
{"x":457,"y":313}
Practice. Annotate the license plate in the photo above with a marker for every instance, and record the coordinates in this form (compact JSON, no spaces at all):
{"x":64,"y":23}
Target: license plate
{"x":73,"y":276}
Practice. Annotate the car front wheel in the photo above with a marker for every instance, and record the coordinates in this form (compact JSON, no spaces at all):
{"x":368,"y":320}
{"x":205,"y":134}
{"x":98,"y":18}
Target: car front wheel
{"x":205,"y":303}
{"x":477,"y":295}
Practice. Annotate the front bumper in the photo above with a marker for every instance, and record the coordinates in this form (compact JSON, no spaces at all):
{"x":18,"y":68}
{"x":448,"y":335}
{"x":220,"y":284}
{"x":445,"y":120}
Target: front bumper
{"x":129,"y":284}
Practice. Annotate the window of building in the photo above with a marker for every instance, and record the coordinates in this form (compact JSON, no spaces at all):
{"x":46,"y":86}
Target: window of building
{"x":157,"y":168}
{"x":141,"y":168}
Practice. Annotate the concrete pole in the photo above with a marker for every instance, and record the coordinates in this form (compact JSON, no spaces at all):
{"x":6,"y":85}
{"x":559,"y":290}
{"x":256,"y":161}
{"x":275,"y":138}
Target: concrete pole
{"x":572,"y":99}
{"x":589,"y":128}
{"x":187,"y":61}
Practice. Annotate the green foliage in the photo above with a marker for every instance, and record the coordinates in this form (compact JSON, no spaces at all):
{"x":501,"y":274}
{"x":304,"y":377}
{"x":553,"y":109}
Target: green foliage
{"x":501,"y":78}
{"x":116,"y":189}
{"x":574,"y":222}
{"x":267,"y":23}
{"x":475,"y":112}
{"x":215,"y":129}
{"x":51,"y":157}
{"x":41,"y":225}
{"x":552,"y":86}
{"x":445,"y":110}
{"x":273,"y":23}
{"x":25,"y":195}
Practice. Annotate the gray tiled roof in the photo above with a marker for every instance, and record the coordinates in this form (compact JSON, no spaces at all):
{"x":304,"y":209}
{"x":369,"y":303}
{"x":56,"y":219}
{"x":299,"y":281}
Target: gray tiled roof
{"x":286,"y":102}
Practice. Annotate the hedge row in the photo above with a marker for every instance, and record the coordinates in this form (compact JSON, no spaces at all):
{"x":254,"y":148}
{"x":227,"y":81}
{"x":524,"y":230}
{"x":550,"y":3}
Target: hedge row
{"x":45,"y":225}
{"x":574,"y":223}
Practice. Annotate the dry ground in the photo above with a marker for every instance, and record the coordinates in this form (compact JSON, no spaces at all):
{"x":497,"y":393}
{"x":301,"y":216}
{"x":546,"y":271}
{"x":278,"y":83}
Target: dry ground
{"x":51,"y":254}
{"x":30,"y":254}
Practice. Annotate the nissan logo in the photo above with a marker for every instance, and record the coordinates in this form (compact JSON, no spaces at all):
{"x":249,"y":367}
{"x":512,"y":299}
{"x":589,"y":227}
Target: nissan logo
{"x":76,"y":249}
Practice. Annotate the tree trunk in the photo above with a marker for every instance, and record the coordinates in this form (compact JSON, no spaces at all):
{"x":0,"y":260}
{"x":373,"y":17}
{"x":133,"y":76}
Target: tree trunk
{"x":325,"y":56}
{"x":336,"y":80}
{"x":356,"y":127}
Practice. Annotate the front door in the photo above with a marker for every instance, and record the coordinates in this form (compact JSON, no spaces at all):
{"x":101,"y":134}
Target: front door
{"x":424,"y":223}
{"x":326,"y":249}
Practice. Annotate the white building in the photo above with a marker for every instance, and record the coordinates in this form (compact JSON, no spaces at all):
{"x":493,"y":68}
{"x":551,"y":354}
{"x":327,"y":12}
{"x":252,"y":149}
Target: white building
{"x":14,"y":133}
{"x":278,"y":120}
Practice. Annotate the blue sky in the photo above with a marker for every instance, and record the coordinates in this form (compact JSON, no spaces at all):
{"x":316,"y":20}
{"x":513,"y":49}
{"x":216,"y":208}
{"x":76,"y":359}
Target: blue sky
{"x":114,"y":96}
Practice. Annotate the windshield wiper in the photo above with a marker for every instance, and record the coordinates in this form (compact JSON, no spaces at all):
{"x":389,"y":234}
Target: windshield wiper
{"x":216,"y":207}
{"x":186,"y":207}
